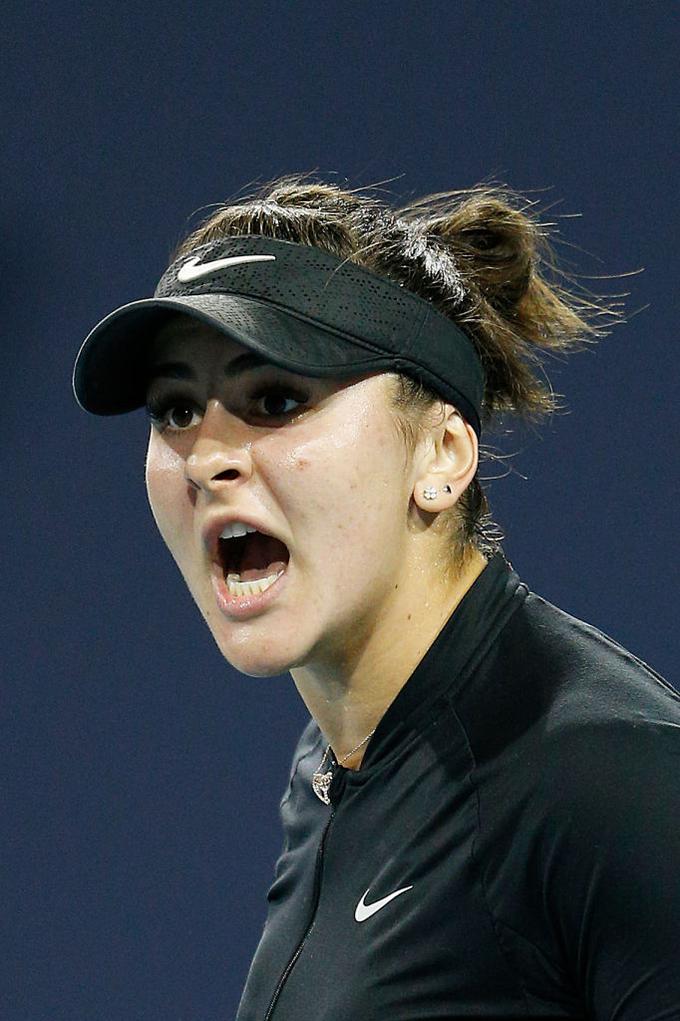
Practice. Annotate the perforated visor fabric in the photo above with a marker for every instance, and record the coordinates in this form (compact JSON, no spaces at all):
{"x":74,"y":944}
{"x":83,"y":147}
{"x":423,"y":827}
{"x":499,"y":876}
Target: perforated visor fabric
{"x":303,"y":308}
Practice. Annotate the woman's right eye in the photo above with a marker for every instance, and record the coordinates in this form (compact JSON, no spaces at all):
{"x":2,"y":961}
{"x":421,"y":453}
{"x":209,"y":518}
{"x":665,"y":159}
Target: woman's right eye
{"x":159,"y":411}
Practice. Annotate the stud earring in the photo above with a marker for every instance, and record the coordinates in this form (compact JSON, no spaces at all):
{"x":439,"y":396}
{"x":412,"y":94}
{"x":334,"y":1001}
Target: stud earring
{"x":430,"y":493}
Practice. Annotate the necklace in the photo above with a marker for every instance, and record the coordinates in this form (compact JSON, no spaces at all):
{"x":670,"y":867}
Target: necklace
{"x":321,"y":781}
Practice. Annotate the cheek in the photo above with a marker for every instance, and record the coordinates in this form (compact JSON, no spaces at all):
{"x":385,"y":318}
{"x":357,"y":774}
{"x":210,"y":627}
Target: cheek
{"x":342,"y":480}
{"x":166,"y":489}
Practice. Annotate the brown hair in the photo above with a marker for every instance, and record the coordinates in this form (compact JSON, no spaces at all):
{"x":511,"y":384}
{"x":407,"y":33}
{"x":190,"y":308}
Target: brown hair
{"x":512,"y":305}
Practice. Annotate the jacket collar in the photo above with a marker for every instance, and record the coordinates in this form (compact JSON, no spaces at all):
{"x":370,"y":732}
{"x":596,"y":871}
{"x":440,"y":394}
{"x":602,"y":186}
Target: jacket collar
{"x":450,"y":659}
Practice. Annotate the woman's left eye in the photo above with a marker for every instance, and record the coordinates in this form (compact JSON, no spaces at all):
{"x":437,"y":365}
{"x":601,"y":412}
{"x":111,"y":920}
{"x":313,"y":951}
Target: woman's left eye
{"x":281,"y":394}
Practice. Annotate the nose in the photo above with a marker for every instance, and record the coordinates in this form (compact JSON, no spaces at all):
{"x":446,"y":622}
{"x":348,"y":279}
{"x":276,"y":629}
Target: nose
{"x":220,"y":455}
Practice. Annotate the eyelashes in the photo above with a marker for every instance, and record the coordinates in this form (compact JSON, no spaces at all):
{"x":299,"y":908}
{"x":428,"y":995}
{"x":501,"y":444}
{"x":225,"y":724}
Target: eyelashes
{"x":159,"y":409}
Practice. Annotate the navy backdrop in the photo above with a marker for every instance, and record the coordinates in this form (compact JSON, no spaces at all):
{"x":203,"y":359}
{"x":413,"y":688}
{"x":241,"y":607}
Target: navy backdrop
{"x":141,"y":773}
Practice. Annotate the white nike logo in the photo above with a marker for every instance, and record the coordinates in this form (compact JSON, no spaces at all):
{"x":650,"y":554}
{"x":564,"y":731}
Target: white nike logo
{"x":364,"y":910}
{"x":194,"y":269}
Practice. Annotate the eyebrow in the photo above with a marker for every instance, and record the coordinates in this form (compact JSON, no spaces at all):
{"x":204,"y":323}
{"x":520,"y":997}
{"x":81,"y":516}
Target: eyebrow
{"x":180,"y":370}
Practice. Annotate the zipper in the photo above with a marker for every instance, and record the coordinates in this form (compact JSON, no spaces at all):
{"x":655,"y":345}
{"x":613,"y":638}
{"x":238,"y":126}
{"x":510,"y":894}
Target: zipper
{"x":317,"y":892}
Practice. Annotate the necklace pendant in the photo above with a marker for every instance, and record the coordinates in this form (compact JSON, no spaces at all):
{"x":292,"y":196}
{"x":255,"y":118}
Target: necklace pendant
{"x":321,"y":783}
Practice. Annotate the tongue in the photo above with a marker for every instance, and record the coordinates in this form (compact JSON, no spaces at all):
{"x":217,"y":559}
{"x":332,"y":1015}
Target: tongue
{"x":263,"y":555}
{"x":262,"y":572}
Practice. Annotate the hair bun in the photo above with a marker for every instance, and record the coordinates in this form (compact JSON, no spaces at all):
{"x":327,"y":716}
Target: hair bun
{"x":495,"y":246}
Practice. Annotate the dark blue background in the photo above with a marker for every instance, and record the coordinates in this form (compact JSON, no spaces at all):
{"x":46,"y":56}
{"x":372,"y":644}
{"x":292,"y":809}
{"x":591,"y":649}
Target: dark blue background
{"x":141,"y":773}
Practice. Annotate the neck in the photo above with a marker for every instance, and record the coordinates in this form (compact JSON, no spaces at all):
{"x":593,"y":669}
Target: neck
{"x":350,"y":688}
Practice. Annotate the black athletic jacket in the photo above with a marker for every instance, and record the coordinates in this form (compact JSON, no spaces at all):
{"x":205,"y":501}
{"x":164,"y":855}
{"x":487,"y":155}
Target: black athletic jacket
{"x":510,"y":846}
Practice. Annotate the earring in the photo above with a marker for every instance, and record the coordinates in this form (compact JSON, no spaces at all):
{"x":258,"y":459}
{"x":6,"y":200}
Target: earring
{"x":430,"y":493}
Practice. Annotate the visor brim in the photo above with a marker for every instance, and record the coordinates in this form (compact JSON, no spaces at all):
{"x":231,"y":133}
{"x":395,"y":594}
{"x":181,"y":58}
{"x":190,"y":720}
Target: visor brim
{"x":110,"y":371}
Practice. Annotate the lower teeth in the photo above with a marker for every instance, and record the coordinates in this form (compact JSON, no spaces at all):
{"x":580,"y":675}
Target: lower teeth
{"x":250,"y":588}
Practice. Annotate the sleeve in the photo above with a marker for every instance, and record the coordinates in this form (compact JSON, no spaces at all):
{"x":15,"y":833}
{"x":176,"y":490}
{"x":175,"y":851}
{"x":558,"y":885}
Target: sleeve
{"x":611,"y":875}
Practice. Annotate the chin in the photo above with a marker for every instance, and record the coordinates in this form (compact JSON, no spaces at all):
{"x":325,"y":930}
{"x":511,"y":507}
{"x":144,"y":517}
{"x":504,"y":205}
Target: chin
{"x":251,"y":660}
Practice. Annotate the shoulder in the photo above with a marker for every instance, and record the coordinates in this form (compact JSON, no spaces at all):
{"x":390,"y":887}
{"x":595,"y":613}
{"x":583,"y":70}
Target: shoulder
{"x":576,"y":746}
{"x":549,"y":639}
{"x":608,"y":713}
{"x":577,"y":756}
{"x":571,"y":735}
{"x":555,"y":682}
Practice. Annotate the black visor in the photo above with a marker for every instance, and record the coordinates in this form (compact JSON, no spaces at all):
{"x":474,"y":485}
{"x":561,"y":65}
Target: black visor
{"x":301,"y":308}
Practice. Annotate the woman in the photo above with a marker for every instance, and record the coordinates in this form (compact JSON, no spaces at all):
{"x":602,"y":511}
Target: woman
{"x":481,"y":818}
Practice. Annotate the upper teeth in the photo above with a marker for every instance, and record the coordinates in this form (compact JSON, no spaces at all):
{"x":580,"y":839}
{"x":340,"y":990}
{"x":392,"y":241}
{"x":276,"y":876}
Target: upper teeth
{"x":235,"y":528}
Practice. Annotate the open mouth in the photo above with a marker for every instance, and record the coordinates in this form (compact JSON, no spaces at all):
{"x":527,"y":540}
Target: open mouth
{"x":253,"y":557}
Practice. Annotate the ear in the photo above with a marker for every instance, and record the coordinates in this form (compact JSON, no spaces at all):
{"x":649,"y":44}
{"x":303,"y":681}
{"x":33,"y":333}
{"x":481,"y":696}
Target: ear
{"x":448,"y":463}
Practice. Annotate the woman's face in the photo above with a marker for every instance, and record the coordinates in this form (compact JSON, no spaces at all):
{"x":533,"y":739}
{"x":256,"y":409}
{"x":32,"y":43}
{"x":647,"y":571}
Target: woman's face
{"x":319,"y":465}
